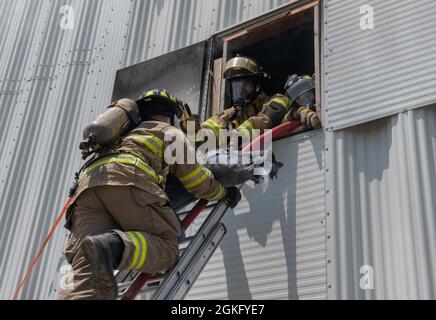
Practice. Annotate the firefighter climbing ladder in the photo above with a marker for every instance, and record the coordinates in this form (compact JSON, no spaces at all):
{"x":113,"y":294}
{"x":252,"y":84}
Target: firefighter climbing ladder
{"x":176,"y":283}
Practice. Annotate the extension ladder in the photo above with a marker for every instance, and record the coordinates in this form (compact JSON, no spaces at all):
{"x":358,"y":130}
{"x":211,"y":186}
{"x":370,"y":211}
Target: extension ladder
{"x":195,"y":253}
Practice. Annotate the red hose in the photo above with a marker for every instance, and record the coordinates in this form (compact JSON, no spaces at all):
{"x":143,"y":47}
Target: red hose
{"x":193,"y":214}
{"x":41,"y":249}
{"x":276,"y":133}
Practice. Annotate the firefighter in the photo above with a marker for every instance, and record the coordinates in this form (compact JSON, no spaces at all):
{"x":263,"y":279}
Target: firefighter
{"x":251,"y":107}
{"x":301,"y":90}
{"x":121,"y":218}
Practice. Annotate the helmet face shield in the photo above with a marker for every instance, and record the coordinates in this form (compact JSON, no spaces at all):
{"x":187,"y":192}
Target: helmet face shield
{"x":307,"y":100}
{"x":241,"y":90}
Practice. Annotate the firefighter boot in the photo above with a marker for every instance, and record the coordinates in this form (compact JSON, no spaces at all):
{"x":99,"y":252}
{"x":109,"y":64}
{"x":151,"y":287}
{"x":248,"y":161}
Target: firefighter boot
{"x":103,"y":252}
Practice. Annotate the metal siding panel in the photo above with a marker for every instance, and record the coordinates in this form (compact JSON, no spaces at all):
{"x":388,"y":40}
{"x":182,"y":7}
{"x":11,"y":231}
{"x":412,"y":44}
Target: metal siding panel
{"x":382,"y":208}
{"x":158,"y":27}
{"x":52,"y":82}
{"x":275,"y":246}
{"x":370,"y":74}
{"x":41,"y":147}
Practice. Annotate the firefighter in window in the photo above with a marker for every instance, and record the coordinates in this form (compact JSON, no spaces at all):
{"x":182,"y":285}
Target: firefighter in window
{"x":301,"y":91}
{"x":252,"y":108}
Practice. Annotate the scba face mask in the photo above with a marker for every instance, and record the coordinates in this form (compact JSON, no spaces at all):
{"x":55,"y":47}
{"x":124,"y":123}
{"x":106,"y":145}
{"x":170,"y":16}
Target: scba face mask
{"x":307,"y":100}
{"x":242,"y":90}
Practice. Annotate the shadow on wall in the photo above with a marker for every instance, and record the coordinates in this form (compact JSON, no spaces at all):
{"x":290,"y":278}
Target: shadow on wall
{"x":278,"y":203}
{"x":361,"y":156}
{"x":384,"y":205}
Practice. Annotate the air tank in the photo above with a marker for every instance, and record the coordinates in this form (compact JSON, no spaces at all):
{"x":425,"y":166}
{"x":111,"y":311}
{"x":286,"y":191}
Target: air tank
{"x":120,"y":117}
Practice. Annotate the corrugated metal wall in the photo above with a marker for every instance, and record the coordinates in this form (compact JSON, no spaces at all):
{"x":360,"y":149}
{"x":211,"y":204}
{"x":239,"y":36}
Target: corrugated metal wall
{"x":381,"y":208}
{"x":371,"y":74}
{"x":275,"y":246}
{"x":53,"y":81}
{"x":379,"y":177}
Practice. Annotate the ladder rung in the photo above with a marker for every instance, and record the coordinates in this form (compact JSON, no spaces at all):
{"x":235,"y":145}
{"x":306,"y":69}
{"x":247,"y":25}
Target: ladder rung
{"x":195,"y":252}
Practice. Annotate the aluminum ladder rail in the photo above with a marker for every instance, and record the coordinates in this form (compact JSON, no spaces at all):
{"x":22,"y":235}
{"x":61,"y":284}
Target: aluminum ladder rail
{"x":177,"y":281}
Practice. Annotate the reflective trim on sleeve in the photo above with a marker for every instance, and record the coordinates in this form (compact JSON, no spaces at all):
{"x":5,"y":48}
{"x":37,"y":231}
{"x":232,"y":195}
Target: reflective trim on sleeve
{"x":247,"y":128}
{"x":190,"y":175}
{"x":195,"y":177}
{"x":214,"y":126}
{"x":248,"y":125}
{"x":197,"y":181}
{"x":219,"y":195}
{"x":246,"y":132}
{"x":280,"y":101}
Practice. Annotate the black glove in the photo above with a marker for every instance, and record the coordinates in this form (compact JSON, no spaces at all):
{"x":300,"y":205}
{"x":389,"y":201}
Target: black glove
{"x":233,"y":196}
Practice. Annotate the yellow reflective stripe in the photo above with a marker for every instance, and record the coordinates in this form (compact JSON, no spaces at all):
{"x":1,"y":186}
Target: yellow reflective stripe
{"x":128,"y":159}
{"x":143,"y":251}
{"x":164,"y":94}
{"x":152,"y":142}
{"x":195,"y":177}
{"x":155,"y":139}
{"x":214,"y":126}
{"x":191,"y":174}
{"x":220,"y":194}
{"x":215,"y":131}
{"x":248,"y":125}
{"x":197,"y":181}
{"x":137,"y":250}
{"x":280,"y":101}
{"x":254,"y":133}
{"x":140,"y":249}
{"x":248,"y":129}
{"x":246,"y":132}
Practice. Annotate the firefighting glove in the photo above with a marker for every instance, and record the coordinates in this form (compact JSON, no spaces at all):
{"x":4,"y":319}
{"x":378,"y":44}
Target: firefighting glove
{"x":233,"y":196}
{"x":308,"y":118}
{"x":231,"y":113}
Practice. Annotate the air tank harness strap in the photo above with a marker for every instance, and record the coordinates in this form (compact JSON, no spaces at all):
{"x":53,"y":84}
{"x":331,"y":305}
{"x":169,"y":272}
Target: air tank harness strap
{"x":133,"y":116}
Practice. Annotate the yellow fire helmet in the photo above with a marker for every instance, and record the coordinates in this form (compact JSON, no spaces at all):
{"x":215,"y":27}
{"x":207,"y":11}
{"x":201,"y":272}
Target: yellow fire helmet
{"x":241,"y":66}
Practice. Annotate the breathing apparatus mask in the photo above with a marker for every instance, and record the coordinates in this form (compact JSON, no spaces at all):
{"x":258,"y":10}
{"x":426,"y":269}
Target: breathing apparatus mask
{"x":301,"y":90}
{"x":243,"y":90}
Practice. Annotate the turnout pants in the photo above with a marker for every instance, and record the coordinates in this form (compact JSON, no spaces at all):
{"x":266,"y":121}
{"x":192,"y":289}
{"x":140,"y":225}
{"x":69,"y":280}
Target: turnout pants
{"x":146,"y":224}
